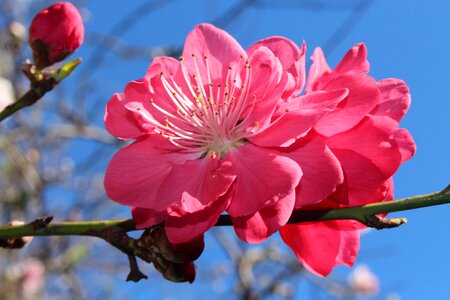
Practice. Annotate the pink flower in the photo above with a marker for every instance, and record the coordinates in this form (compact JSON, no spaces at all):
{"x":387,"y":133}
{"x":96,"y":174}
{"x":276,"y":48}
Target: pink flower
{"x":363,"y":281}
{"x":55,"y":33}
{"x":362,"y":135}
{"x":33,"y":279}
{"x":213,"y":132}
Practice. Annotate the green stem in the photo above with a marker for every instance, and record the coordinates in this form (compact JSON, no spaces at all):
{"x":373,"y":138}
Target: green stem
{"x":28,"y":99}
{"x":360,"y":213}
{"x":89,"y":228}
{"x":40,"y":85}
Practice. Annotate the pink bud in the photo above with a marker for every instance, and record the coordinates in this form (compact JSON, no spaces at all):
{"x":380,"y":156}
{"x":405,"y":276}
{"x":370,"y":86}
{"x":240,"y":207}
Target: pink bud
{"x":55,"y":33}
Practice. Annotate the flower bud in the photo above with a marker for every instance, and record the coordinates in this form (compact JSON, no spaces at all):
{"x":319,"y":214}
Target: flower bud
{"x":55,"y":33}
{"x":156,"y":239}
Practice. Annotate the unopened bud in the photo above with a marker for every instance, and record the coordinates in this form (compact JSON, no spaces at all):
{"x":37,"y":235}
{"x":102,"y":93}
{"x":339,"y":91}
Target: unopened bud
{"x":175,"y":272}
{"x":55,"y":33}
{"x":178,"y":253}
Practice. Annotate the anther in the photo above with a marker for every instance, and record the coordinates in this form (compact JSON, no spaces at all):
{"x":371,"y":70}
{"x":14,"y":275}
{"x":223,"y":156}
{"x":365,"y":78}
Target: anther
{"x":213,"y":155}
{"x":181,"y":58}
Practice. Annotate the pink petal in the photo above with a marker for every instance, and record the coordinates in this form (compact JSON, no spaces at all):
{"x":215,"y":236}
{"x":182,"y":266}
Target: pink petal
{"x":363,"y":181}
{"x":266,"y":86}
{"x":322,"y":172}
{"x":164,"y":69}
{"x":396,"y":99}
{"x":196,"y":184}
{"x":264,"y":177}
{"x":362,"y":98}
{"x":299,"y":117}
{"x":119,"y":121}
{"x":259,"y":226}
{"x":291,"y":58}
{"x":145,"y":217}
{"x":182,"y":228}
{"x":318,"y":69}
{"x":220,"y":48}
{"x":320,"y":247}
{"x":135,"y":173}
{"x":405,"y":142}
{"x":372,"y":139}
{"x":354,"y":60}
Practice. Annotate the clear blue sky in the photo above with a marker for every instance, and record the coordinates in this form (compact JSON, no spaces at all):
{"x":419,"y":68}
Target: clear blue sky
{"x":407,"y":39}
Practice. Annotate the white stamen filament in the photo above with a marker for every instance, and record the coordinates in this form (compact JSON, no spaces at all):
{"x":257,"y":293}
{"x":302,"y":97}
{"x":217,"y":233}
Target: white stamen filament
{"x":208,"y":119}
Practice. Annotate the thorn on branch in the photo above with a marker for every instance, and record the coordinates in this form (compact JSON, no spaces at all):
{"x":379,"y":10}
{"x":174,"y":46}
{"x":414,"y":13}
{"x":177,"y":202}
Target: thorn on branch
{"x":382,"y":223}
{"x":41,"y":222}
{"x":135,"y":274}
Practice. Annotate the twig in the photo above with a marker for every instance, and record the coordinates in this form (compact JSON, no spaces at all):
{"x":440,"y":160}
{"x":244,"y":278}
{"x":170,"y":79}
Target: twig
{"x":39,"y":87}
{"x":363,"y":214}
{"x":153,"y":246}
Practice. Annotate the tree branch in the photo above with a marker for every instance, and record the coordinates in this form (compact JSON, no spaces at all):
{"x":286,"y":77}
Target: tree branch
{"x":41,"y":83}
{"x":153,"y":246}
{"x":364,"y":214}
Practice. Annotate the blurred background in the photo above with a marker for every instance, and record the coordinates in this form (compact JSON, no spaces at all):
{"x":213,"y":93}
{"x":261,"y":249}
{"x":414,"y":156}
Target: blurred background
{"x":53,"y":155}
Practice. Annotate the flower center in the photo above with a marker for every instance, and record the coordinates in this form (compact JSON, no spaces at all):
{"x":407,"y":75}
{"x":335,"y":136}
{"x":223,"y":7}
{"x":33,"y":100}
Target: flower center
{"x":211,"y":117}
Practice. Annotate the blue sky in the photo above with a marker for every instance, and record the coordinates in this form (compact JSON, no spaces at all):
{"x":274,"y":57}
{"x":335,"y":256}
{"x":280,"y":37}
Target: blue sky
{"x":406,"y":39}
